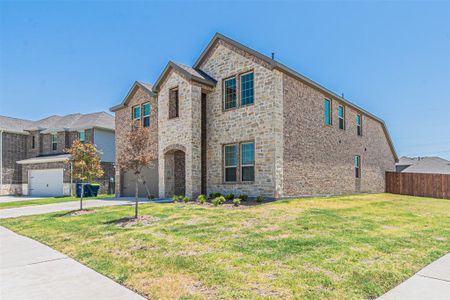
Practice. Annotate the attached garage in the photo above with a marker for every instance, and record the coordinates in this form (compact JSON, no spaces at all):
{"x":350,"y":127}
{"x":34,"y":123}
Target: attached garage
{"x":148,"y":187}
{"x":46,"y":183}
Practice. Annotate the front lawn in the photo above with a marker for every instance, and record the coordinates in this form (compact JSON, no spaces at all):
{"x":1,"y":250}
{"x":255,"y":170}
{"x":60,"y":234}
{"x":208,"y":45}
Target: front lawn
{"x":338,"y":248}
{"x":5,"y":205}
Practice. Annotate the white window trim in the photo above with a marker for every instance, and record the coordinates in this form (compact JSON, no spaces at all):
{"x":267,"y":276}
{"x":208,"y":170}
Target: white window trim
{"x":247,"y":165}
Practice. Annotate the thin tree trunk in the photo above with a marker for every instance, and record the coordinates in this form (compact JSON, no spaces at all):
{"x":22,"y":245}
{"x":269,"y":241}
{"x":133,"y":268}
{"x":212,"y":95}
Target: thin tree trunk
{"x":136,"y":199}
{"x":81,"y":198}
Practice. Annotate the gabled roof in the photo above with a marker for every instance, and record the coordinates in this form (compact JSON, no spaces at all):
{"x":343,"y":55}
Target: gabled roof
{"x":190,"y":73}
{"x":14,"y":125}
{"x":276,"y":65}
{"x":146,"y":87}
{"x":55,"y":123}
{"x":435,"y":165}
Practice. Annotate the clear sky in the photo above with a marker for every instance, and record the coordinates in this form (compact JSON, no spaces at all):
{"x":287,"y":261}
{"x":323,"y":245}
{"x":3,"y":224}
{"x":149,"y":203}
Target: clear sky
{"x":391,"y":58}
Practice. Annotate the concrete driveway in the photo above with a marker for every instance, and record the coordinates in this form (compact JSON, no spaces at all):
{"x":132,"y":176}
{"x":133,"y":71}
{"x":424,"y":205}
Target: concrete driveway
{"x":31,"y":270}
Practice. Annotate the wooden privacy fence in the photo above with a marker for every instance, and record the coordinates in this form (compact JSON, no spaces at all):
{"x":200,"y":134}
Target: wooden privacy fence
{"x":418,"y":184}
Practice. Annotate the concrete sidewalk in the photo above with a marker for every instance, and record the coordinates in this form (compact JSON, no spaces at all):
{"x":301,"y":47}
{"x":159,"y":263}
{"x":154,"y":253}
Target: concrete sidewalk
{"x":62,"y":206}
{"x":31,"y":270}
{"x":6,"y":199}
{"x":432,"y":282}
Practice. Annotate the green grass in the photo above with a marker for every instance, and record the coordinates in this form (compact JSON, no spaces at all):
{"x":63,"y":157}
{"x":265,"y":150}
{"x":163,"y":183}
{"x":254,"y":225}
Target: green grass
{"x":354,"y":247}
{"x":5,"y":205}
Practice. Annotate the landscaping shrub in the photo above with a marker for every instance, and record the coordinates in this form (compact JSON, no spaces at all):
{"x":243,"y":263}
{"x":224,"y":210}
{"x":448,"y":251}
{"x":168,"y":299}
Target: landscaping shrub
{"x":243,"y":197}
{"x":151,"y":197}
{"x":216,"y":201}
{"x":201,"y":199}
{"x":186,"y":199}
{"x":214,"y":195}
{"x":259,"y":199}
{"x":175,"y":199}
{"x":237,"y":202}
{"x":230,"y":196}
{"x":180,"y":198}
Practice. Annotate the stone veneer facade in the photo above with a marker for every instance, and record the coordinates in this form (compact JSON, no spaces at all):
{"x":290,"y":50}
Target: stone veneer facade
{"x":123,"y":119}
{"x":295,"y":153}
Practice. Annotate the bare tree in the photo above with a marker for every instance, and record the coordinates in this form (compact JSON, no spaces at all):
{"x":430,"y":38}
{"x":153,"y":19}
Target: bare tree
{"x":139,"y":152}
{"x":86,"y":163}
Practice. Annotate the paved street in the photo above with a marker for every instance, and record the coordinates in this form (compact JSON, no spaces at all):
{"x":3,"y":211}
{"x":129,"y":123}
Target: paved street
{"x":31,"y":270}
{"x":432,"y":282}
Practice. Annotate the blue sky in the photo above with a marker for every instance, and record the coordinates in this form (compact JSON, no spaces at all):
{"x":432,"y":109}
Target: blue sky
{"x":391,"y":58}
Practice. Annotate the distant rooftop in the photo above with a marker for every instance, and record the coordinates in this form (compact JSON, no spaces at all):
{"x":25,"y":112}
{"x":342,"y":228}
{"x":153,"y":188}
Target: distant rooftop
{"x":427,"y":164}
{"x":58,"y":123}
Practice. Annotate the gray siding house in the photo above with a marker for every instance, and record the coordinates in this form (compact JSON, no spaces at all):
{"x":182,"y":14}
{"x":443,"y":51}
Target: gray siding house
{"x":238,"y":121}
{"x":32,"y":158}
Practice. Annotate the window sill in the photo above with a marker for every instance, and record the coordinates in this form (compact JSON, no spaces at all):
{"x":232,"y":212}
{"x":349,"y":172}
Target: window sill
{"x":238,"y":182}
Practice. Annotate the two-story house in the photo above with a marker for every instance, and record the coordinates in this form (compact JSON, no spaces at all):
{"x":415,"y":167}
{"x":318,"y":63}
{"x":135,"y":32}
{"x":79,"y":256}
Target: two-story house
{"x":33,"y":161}
{"x":238,"y":121}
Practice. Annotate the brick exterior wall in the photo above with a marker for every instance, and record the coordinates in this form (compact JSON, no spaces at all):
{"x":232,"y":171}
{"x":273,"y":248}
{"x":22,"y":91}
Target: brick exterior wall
{"x":184,"y":130}
{"x":319,"y":159}
{"x":123,"y":119}
{"x":14,"y":149}
{"x":295,"y":153}
{"x":260,"y":122}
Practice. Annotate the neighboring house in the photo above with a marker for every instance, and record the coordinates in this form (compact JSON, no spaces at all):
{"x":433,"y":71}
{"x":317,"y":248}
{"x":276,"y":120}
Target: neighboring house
{"x":238,"y":121}
{"x":434,"y":165}
{"x":33,"y":161}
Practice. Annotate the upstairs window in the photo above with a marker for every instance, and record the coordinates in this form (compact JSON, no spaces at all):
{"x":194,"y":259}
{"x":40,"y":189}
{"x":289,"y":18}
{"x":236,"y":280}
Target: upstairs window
{"x":358,"y":125}
{"x":82,"y":136}
{"x":54,"y":141}
{"x":146,"y":114}
{"x":327,"y":111}
{"x":247,"y":89}
{"x":229,"y":93}
{"x":357,"y":166}
{"x":174,"y":104}
{"x":33,"y":142}
{"x":248,"y":162}
{"x":136,"y":113}
{"x":341,"y":116}
{"x":230,"y":163}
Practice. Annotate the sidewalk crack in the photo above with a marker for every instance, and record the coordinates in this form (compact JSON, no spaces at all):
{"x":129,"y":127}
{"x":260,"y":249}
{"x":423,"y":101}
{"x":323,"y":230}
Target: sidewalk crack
{"x":431,"y":277}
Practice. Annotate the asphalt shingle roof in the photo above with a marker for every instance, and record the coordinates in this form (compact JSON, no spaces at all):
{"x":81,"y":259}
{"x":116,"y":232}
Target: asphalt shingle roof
{"x":59,"y":123}
{"x":434,"y":165}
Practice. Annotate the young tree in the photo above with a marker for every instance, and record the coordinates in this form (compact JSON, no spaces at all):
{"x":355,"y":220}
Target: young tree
{"x":139,"y":152}
{"x":85,"y":161}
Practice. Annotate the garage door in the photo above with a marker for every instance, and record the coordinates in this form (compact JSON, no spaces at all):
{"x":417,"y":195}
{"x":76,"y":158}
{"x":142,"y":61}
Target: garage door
{"x":148,"y":187}
{"x":46,"y":182}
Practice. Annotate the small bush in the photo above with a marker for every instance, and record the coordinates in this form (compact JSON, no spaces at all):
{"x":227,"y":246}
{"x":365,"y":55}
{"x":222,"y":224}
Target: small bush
{"x":175,"y":199}
{"x":237,"y":202}
{"x":216,"y":201}
{"x":180,"y":198}
{"x":230,"y":196}
{"x":259,"y":199}
{"x":201,"y":199}
{"x":243,"y":197}
{"x":186,"y":199}
{"x":214,"y":195}
{"x":151,"y":197}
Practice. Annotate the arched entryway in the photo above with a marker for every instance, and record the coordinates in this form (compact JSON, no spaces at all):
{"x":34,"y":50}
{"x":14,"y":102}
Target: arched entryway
{"x":175,"y":170}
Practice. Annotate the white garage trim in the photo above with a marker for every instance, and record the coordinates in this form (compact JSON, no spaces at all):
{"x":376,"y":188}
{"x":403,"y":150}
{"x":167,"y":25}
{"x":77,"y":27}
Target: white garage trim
{"x":46,"y":182}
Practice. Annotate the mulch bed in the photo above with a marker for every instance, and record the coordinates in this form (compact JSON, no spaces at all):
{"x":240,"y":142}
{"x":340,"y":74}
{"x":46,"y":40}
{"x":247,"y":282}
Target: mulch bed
{"x":227,"y":205}
{"x":77,"y":213}
{"x":131,"y":221}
